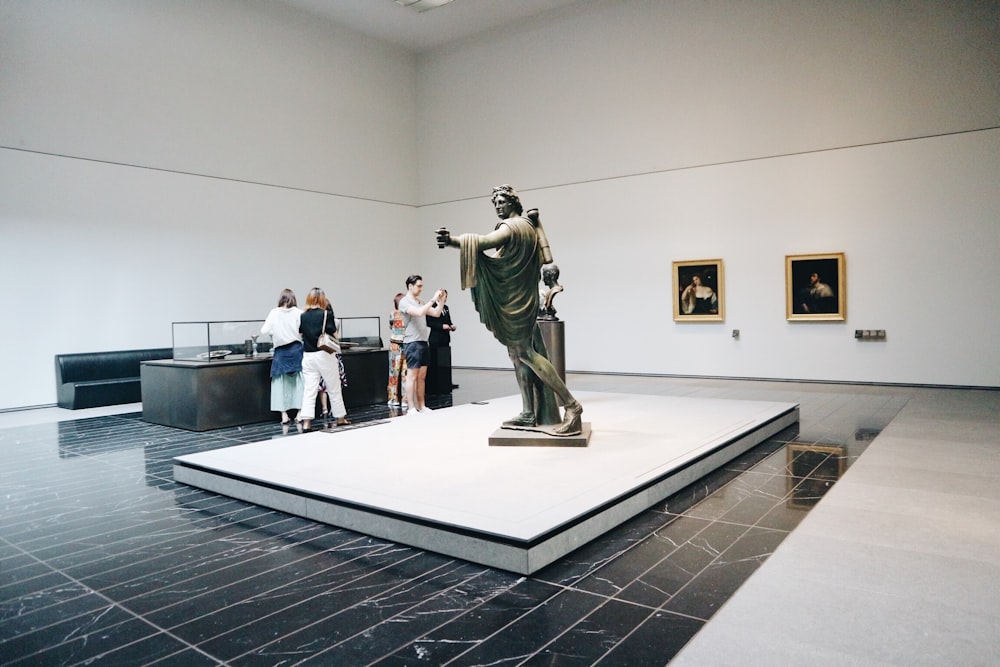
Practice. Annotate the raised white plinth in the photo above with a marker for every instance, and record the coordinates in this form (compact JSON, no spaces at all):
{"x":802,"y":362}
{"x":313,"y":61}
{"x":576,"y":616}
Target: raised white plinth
{"x":432,"y":481}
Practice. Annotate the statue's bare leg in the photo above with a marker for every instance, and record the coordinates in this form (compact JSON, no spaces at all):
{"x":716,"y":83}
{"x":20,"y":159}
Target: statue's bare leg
{"x":524,"y":382}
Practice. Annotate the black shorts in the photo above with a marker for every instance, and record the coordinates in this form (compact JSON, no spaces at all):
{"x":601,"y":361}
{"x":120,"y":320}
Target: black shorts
{"x":417,"y":354}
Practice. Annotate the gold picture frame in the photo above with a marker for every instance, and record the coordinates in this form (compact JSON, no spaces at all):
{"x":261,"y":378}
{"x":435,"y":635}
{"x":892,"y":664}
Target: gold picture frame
{"x":699,"y":291}
{"x":816,"y":287}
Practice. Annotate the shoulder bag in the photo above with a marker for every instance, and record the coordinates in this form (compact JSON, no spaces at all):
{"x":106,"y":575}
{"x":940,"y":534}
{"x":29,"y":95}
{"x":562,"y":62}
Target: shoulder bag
{"x":326,"y":342}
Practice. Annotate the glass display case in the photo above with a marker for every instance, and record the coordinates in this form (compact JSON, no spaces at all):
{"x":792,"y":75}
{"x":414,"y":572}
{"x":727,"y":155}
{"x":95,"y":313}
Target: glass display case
{"x":359,"y":334}
{"x":212,"y":341}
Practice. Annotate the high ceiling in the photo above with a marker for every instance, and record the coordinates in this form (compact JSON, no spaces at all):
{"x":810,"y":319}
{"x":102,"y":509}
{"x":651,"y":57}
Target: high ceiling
{"x":389,"y":22}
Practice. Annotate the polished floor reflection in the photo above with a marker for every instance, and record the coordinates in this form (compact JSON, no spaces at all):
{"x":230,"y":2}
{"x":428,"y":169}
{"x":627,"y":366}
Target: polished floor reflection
{"x":104,"y":559}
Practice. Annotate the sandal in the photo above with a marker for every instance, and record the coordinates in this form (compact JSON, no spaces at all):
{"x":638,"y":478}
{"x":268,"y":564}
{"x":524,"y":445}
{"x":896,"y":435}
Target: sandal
{"x":343,"y":421}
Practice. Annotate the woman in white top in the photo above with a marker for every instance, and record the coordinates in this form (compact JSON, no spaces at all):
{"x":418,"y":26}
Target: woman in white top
{"x":282,"y":324}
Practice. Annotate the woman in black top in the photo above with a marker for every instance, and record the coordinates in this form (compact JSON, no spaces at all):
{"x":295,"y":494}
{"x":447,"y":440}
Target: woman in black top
{"x":317,"y":364}
{"x":439,"y":368}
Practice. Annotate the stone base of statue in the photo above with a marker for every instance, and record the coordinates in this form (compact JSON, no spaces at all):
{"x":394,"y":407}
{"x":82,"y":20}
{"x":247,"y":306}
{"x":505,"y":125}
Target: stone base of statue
{"x":554,"y":337}
{"x":537,"y":437}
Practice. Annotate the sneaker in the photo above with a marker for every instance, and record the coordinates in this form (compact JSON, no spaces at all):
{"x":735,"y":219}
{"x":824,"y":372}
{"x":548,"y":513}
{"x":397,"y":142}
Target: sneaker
{"x":424,"y":409}
{"x":393,"y":404}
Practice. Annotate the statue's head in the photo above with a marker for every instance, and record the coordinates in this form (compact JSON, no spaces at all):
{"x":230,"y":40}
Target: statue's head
{"x":509,"y":195}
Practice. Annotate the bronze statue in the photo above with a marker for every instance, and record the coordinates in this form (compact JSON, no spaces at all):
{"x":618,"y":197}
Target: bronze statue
{"x":550,"y":276}
{"x":504,"y":288}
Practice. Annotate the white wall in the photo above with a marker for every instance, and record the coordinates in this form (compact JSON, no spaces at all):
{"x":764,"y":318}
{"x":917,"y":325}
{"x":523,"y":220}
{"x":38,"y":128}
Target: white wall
{"x":652,"y":132}
{"x":622,"y":87}
{"x":236,"y":89}
{"x":917,"y":221}
{"x":172,"y":161}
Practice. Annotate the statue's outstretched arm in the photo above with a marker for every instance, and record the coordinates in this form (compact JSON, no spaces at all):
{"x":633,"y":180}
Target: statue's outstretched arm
{"x":495,"y":239}
{"x":499,"y":237}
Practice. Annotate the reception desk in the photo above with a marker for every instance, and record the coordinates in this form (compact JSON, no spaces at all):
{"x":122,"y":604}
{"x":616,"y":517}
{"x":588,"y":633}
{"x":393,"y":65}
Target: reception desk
{"x":206,"y":395}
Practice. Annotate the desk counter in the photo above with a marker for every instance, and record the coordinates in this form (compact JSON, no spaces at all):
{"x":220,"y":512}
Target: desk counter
{"x":206,"y":395}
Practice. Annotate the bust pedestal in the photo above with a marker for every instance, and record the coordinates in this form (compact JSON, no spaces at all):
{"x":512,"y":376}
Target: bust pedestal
{"x":554,"y":336}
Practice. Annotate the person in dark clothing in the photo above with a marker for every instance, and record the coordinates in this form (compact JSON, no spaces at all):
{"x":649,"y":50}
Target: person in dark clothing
{"x":439,"y":368}
{"x":317,"y":364}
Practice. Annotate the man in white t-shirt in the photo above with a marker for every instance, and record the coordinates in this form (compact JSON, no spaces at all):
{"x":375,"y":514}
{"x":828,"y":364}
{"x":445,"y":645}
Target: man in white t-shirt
{"x":415,"y":345}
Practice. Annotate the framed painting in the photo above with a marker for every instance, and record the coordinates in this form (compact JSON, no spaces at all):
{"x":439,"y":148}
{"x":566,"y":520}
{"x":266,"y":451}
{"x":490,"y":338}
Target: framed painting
{"x":816,"y":287}
{"x":699,"y":291}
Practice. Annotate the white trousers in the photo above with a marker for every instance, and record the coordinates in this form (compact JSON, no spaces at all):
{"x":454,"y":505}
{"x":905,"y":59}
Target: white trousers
{"x":316,"y":365}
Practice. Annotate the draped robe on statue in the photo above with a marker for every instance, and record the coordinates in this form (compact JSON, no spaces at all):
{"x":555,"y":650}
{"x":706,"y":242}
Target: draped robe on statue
{"x":504,"y":291}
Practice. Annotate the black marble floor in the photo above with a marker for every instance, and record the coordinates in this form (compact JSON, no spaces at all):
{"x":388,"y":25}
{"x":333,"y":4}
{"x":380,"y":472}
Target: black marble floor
{"x":104,"y":559}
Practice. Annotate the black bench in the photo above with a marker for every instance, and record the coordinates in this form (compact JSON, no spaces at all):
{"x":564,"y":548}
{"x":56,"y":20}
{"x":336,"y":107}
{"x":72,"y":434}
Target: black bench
{"x":91,"y":379}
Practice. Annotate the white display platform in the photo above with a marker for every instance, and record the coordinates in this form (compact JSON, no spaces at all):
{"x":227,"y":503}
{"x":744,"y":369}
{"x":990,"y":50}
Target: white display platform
{"x":432,"y":481}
